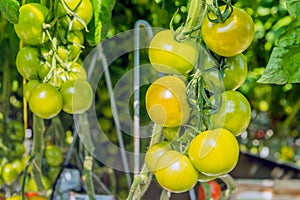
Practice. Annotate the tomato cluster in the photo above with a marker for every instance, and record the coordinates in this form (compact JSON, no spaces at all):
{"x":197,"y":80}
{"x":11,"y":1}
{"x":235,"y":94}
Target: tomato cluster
{"x":50,"y":57}
{"x":196,"y":102}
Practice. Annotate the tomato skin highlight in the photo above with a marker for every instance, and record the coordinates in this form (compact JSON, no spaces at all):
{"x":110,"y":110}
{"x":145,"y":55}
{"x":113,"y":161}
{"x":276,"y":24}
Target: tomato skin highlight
{"x":166,"y":102}
{"x":169,"y":56}
{"x":231,"y":37}
{"x":214,"y":152}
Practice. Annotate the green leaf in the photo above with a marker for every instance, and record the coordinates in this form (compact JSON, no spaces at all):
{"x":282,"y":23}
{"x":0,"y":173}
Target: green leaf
{"x":293,"y":7}
{"x":284,"y":62}
{"x":100,"y":24}
{"x":10,"y":9}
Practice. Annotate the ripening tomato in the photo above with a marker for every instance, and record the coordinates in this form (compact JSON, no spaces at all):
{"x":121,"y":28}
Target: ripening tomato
{"x":45,"y":100}
{"x":77,"y":96}
{"x":30,"y":26}
{"x":234,"y":113}
{"x":166,"y":102}
{"x":175,"y":172}
{"x":170,"y":56}
{"x":215,"y":191}
{"x":214,"y":152}
{"x":231,"y":77}
{"x":231,"y":37}
{"x":154,"y":153}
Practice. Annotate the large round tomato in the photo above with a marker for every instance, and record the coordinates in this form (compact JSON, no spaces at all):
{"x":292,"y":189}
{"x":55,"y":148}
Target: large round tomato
{"x":169,"y":56}
{"x":234,"y":112}
{"x":231,"y":37}
{"x":30,"y":26}
{"x":28,"y":62}
{"x":53,"y":155}
{"x":231,"y":77}
{"x":166,"y":102}
{"x":214,"y":152}
{"x":154,"y":153}
{"x":175,"y":172}
{"x":83,"y":9}
{"x":77,"y":95}
{"x":45,"y":101}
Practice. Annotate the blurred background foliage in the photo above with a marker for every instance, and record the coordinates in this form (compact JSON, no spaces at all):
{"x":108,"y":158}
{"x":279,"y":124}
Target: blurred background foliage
{"x":274,"y":129}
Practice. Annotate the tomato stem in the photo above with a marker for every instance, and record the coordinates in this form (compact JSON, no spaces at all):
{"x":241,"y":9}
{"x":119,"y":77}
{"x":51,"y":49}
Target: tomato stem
{"x":37,"y":151}
{"x":143,"y":179}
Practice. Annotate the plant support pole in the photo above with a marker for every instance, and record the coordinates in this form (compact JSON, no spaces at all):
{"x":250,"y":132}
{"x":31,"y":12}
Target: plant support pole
{"x":136,"y":87}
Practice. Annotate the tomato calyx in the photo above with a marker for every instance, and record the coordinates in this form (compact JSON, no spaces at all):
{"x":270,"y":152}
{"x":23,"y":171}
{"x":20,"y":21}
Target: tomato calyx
{"x":219,"y":15}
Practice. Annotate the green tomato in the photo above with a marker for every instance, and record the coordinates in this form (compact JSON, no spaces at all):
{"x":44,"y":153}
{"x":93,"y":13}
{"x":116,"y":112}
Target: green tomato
{"x":231,"y":77}
{"x":214,"y":152}
{"x":9,"y":174}
{"x":231,"y":37}
{"x":53,"y":155}
{"x":28,"y":62}
{"x":30,"y":26}
{"x":45,"y":101}
{"x":28,"y":87}
{"x":77,"y":96}
{"x":175,"y":172}
{"x":154,"y":153}
{"x":169,"y":56}
{"x":17,"y":164}
{"x":166,"y":102}
{"x":16,"y":130}
{"x":234,"y":113}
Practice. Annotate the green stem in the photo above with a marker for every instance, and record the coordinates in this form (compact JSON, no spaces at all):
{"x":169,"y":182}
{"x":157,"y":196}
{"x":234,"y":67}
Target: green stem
{"x":230,"y":183}
{"x":196,"y":14}
{"x":142,"y":181}
{"x":87,"y":175}
{"x":37,"y":151}
{"x":6,"y":93}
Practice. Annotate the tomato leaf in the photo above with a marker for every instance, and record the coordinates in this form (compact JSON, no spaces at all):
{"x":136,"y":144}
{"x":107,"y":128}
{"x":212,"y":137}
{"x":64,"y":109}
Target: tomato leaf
{"x":10,"y":9}
{"x":293,"y":7}
{"x":283,"y":65}
{"x":100,"y":24}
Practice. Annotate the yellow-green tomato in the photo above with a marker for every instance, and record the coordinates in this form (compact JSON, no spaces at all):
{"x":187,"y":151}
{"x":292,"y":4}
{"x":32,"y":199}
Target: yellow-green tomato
{"x":231,"y":37}
{"x":154,"y":153}
{"x":170,"y":56}
{"x":214,"y":152}
{"x":175,"y":172}
{"x":234,"y":112}
{"x":166,"y":102}
{"x":232,"y":75}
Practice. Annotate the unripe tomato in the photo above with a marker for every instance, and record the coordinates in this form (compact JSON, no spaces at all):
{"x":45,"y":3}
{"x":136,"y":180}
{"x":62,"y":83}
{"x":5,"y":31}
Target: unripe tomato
{"x":28,"y":62}
{"x":175,"y":172}
{"x":30,"y":26}
{"x":214,"y":152}
{"x":83,"y":9}
{"x":231,"y":37}
{"x":169,"y":56}
{"x":28,"y":87}
{"x":45,"y":101}
{"x":231,"y":77}
{"x":16,"y":130}
{"x":9,"y":174}
{"x":154,"y":153}
{"x":166,"y":102}
{"x":53,"y":155}
{"x":77,"y":95}
{"x":234,"y":113}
